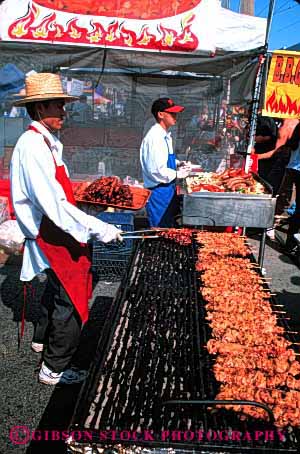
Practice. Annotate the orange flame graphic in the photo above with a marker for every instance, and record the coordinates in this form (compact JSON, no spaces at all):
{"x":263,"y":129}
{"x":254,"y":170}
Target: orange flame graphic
{"x":277,"y":104}
{"x":146,"y":38}
{"x":32,"y":27}
{"x":19,"y":28}
{"x":74,"y":32}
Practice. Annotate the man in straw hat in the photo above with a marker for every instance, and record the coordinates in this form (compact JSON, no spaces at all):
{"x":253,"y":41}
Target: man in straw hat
{"x":56,"y":231}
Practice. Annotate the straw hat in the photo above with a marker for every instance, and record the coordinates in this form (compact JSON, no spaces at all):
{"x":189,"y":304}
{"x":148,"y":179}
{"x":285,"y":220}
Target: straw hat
{"x":43,"y":86}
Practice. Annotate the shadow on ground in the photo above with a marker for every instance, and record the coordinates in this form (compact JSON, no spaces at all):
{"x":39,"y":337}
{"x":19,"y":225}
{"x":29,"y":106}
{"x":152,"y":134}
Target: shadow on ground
{"x":291,"y":304}
{"x":60,"y":408}
{"x":12,"y":291}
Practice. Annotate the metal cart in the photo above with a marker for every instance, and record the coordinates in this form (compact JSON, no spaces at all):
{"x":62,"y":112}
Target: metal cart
{"x":231,"y":209}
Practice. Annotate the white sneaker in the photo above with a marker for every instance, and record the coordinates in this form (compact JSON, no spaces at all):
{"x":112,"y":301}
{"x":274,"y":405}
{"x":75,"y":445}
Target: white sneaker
{"x":263,"y":271}
{"x":36,"y":347}
{"x":67,"y":377}
{"x":297,"y":238}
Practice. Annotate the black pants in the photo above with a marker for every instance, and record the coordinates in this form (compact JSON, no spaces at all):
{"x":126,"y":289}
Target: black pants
{"x":276,"y":174}
{"x":59,"y":326}
{"x":294,"y":220}
{"x":265,"y":167}
{"x":285,"y":193}
{"x":168,"y":219}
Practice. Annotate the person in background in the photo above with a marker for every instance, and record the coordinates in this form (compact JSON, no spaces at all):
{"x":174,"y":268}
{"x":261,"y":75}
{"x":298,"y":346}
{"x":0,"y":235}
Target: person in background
{"x":159,"y":165}
{"x":18,"y":112}
{"x":223,"y":112}
{"x":293,"y":175}
{"x":278,"y":178}
{"x":80,"y":111}
{"x":280,"y":153}
{"x":200,"y":119}
{"x":265,"y":140}
{"x":56,"y":231}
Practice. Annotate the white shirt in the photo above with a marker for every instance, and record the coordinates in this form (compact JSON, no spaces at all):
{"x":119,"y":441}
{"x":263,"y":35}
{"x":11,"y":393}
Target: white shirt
{"x":294,"y":162}
{"x":155,"y":147}
{"x":35,"y":192}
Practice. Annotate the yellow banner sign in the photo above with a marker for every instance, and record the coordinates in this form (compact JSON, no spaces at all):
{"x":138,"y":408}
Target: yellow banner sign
{"x":282,"y":98}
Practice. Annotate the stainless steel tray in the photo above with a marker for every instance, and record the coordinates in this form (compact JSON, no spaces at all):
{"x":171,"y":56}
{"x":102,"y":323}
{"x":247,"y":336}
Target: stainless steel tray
{"x":228,"y":209}
{"x":268,"y":189}
{"x":230,"y":195}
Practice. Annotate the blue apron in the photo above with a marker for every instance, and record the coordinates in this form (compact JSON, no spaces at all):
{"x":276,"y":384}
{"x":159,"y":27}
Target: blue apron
{"x":161,"y":197}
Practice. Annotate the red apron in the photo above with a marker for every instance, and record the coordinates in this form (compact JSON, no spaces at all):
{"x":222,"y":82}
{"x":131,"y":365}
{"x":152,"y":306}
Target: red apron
{"x":69,"y":259}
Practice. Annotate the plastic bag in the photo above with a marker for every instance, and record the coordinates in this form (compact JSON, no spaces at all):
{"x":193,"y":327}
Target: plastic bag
{"x":4,"y":211}
{"x":11,"y":237}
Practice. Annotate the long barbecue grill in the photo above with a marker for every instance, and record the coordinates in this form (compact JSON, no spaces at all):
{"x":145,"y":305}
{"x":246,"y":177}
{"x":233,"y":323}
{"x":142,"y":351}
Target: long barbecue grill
{"x":152,"y":351}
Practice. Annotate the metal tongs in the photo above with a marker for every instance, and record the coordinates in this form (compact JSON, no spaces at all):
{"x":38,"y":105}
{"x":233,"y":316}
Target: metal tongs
{"x":143,"y":234}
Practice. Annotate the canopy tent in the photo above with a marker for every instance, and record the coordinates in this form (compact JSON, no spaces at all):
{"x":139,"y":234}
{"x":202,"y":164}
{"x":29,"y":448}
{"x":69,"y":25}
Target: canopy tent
{"x":178,"y":49}
{"x":239,"y":67}
{"x":187,"y":26}
{"x":295,"y":47}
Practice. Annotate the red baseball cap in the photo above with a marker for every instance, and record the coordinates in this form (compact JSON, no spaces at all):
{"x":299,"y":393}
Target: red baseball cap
{"x":165,"y":105}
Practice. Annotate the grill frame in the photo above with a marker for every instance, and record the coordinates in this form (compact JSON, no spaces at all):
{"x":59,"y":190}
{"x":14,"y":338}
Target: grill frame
{"x":202,"y":362}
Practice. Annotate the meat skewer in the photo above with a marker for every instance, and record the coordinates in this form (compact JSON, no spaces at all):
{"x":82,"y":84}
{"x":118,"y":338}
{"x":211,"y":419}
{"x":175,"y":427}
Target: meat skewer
{"x":108,"y":190}
{"x":252,"y":358}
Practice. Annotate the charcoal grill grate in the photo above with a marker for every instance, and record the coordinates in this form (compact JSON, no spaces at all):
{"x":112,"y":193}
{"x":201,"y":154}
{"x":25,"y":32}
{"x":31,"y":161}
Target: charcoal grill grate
{"x":152,"y":351}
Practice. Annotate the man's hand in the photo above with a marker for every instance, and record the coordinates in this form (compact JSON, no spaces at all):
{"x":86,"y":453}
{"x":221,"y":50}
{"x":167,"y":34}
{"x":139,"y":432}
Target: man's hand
{"x":119,"y":237}
{"x":112,"y":234}
{"x":182,"y":172}
{"x":185,"y":165}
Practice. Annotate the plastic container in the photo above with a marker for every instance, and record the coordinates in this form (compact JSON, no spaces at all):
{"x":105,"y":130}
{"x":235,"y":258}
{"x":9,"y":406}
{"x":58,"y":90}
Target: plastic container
{"x":101,"y":169}
{"x":124,"y":222}
{"x":112,"y":269}
{"x":4,"y":209}
{"x":110,"y":259}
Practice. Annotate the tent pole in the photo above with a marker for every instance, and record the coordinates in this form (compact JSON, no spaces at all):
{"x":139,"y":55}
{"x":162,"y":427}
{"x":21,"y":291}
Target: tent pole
{"x":254,"y":113}
{"x":269,"y":21}
{"x":226,"y":137}
{"x":257,"y":90}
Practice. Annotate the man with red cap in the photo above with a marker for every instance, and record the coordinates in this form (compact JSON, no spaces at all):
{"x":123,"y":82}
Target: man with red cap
{"x":160,"y":166}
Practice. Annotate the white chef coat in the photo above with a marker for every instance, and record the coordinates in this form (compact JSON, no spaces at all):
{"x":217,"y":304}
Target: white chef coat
{"x":35,"y":192}
{"x":155,"y":147}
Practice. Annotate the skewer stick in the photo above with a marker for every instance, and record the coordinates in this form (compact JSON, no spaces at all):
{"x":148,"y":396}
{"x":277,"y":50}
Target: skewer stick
{"x":141,"y":237}
{"x":244,"y":347}
{"x":154,"y":230}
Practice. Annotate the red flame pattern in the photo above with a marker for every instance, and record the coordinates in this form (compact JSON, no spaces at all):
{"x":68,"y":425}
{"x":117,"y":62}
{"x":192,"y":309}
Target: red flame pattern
{"x":113,"y":35}
{"x":275,"y":105}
